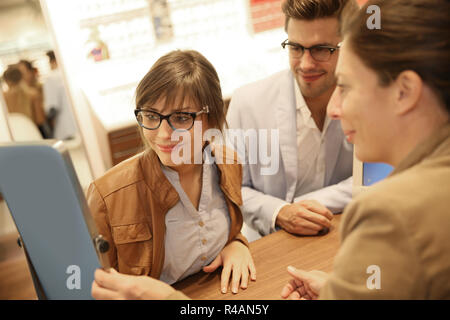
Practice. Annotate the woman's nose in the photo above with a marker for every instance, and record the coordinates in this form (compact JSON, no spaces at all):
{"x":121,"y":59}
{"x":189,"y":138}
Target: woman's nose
{"x":165,"y":130}
{"x":334,"y":105}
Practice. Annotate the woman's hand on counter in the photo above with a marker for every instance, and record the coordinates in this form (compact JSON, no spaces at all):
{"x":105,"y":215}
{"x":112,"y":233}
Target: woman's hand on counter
{"x":237,"y":263}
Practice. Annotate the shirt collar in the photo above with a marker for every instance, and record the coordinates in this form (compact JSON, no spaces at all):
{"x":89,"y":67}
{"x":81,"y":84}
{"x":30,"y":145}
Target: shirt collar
{"x":300,"y":103}
{"x":169,"y":172}
{"x":305,"y":113}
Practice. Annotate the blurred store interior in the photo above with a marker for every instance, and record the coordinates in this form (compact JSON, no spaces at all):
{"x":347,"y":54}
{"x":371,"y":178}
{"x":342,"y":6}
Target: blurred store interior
{"x":104,"y":47}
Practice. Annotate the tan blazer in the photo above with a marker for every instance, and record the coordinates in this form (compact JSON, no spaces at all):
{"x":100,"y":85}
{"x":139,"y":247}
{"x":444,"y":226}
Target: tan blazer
{"x":129,"y":204}
{"x":402,"y":227}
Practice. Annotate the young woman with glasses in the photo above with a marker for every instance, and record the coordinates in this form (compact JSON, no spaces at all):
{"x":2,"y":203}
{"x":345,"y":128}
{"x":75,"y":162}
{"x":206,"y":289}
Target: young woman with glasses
{"x":165,"y":219}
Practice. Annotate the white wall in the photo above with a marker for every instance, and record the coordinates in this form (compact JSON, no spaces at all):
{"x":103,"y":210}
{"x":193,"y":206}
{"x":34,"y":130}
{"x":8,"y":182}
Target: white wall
{"x":65,"y":40}
{"x":23,"y":34}
{"x":21,"y":23}
{"x":5,"y":134}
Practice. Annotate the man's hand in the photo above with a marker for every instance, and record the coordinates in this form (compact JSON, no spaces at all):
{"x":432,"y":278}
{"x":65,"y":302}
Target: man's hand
{"x":111,"y":285}
{"x":304,"y":285}
{"x":306,"y":217}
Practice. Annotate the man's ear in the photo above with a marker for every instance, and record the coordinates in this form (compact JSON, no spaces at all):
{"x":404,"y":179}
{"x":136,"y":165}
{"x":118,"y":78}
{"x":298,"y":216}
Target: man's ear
{"x":408,"y":91}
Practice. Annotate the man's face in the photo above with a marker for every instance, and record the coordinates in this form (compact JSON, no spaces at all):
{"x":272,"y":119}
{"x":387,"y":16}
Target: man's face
{"x":313,"y":77}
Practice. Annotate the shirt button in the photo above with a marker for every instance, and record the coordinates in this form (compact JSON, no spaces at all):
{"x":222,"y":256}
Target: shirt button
{"x":203,"y":258}
{"x":204,"y":241}
{"x":201,"y":223}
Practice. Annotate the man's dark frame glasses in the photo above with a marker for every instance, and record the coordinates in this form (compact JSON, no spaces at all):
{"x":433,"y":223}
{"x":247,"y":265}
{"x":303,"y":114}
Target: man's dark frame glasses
{"x":313,"y":53}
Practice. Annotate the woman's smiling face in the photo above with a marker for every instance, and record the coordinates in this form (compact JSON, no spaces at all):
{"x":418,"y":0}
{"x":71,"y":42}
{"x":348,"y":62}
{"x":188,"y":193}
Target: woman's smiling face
{"x":364,"y":108}
{"x":160,"y":140}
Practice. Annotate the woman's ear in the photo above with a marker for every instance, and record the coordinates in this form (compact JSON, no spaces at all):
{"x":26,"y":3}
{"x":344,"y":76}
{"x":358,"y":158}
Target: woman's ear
{"x":408,"y":90}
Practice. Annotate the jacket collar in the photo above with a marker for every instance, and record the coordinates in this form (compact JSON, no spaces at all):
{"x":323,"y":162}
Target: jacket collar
{"x":230,"y":175}
{"x":425,"y":149}
{"x":157,"y":181}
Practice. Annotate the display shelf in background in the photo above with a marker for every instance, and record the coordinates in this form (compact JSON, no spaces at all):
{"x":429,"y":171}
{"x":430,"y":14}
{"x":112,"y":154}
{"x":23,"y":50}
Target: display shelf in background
{"x":266,"y":15}
{"x":222,"y":30}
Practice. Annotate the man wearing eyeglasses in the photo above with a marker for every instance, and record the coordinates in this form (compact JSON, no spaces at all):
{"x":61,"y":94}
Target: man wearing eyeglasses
{"x":315,"y":164}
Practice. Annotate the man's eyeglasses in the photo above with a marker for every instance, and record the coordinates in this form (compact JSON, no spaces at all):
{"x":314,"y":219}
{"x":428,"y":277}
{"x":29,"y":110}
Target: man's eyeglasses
{"x":180,"y":121}
{"x":319,"y":53}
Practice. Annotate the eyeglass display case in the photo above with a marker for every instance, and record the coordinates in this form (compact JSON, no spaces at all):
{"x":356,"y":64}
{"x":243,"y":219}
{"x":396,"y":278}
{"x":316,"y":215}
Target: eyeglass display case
{"x":106,"y":47}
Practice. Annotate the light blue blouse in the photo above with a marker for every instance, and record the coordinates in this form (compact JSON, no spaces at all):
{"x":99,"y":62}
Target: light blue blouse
{"x":194,"y":237}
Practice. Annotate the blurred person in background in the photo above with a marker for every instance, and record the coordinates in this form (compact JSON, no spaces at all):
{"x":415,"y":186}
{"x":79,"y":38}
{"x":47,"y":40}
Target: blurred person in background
{"x":17,"y":97}
{"x":34,"y":88}
{"x":56,"y":103}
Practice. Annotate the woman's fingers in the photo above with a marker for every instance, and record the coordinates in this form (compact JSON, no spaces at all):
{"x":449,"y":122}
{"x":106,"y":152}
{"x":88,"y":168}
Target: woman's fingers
{"x":100,"y":293}
{"x":224,"y":279}
{"x":288,"y":289}
{"x":239,"y":276}
{"x":214,"y":265}
{"x":244,"y":278}
{"x":235,"y":278}
{"x":105,"y":280}
{"x":310,"y":292}
{"x":294,"y":296}
{"x":252,"y":270}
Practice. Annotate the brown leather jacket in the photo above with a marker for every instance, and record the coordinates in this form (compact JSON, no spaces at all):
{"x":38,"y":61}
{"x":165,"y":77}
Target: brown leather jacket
{"x":129,"y":204}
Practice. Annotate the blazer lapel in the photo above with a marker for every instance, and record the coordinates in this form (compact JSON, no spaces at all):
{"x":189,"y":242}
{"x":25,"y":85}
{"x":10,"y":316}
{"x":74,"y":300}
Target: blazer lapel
{"x":285,"y":113}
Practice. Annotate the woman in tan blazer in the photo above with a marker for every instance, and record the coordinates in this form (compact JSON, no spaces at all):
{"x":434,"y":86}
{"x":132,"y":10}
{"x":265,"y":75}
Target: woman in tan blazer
{"x":393,"y":100}
{"x":173,"y":210}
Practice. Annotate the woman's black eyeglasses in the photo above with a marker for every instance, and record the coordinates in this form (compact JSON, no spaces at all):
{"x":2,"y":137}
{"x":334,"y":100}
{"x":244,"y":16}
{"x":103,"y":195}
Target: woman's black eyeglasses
{"x":180,"y":121}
